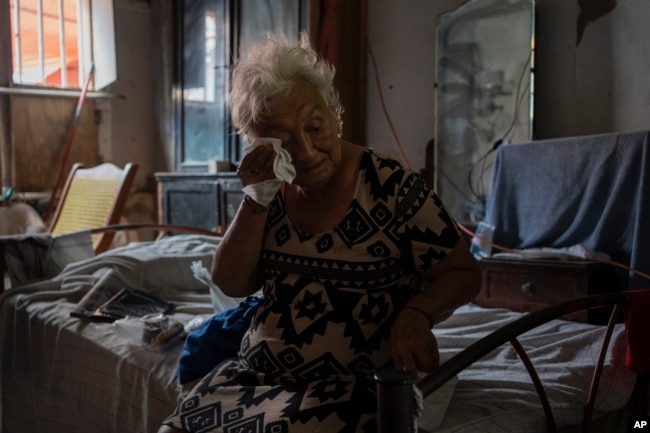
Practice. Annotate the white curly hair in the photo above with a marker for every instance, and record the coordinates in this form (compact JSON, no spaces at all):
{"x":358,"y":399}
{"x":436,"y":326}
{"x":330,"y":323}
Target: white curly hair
{"x":269,"y":70}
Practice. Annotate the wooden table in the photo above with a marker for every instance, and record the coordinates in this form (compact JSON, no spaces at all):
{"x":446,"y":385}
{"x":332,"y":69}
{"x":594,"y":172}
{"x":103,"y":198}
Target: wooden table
{"x":530,"y":285}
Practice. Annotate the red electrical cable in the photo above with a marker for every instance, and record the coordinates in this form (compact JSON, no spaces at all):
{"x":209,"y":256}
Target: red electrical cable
{"x":515,"y":251}
{"x":383,"y":104}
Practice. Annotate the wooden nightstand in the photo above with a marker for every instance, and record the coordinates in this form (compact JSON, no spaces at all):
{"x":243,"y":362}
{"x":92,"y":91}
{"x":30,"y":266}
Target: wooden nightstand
{"x":529,"y":285}
{"x":207,"y":201}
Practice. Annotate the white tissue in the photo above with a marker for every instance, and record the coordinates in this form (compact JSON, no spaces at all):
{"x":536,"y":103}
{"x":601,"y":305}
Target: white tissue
{"x":263,"y":192}
{"x":220,"y":301}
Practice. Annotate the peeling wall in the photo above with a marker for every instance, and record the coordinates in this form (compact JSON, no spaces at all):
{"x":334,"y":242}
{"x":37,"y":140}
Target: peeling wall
{"x":591,"y":11}
{"x":599,"y":85}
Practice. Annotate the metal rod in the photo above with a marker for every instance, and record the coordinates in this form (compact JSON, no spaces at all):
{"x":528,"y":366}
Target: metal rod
{"x":62,"y":53}
{"x":81,"y":54}
{"x":41,"y":49}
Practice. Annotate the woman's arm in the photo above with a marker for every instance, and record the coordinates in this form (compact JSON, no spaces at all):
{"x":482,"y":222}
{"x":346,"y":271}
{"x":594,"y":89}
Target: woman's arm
{"x":452,"y":282}
{"x":235,"y":264}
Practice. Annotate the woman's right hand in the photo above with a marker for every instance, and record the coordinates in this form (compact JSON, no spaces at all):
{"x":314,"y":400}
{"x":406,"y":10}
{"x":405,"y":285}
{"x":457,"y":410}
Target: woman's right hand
{"x":257,"y":165}
{"x":413,"y":345}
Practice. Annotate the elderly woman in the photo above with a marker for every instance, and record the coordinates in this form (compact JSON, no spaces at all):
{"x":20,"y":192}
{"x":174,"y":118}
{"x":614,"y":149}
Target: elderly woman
{"x":356,"y":257}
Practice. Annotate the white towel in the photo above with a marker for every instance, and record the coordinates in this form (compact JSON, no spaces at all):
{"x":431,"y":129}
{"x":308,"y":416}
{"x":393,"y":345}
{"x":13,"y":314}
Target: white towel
{"x":263,"y":192}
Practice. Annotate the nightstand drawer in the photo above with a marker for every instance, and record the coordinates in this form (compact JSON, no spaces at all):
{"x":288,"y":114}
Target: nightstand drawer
{"x":530,"y":285}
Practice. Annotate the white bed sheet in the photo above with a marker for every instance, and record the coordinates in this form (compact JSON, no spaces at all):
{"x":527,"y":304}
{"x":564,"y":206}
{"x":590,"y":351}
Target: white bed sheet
{"x":60,"y":374}
{"x":564,"y":354}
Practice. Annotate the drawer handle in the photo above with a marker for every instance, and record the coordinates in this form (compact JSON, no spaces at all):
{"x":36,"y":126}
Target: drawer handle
{"x":528,"y":289}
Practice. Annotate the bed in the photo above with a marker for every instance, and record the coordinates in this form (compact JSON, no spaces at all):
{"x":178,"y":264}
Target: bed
{"x":63,"y":374}
{"x":534,"y":372}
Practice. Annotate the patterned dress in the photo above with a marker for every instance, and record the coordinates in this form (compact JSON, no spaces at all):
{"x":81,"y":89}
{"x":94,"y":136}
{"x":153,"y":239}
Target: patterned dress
{"x":307,"y":361}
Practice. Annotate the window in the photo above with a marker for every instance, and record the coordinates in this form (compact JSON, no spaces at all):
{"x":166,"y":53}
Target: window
{"x":55,"y":43}
{"x":208,"y":36}
{"x":202,"y":76}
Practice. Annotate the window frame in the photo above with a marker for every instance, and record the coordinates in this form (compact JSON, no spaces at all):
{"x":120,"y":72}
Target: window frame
{"x":230,"y":139}
{"x":178,"y":80}
{"x":95,"y":43}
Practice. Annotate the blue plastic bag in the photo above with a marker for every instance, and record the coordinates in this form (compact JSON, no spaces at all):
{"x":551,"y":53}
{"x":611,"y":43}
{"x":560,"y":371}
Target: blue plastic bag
{"x":215,"y":340}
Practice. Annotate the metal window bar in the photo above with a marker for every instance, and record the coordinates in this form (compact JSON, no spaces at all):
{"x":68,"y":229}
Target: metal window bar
{"x":62,"y":54}
{"x":80,"y":45}
{"x":36,"y":73}
{"x":17,"y":43}
{"x":41,"y":39}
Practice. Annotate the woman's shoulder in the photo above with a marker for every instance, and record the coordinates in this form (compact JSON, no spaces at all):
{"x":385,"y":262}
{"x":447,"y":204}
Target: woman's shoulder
{"x":386,"y":178}
{"x":381,"y":162}
{"x":381,"y":155}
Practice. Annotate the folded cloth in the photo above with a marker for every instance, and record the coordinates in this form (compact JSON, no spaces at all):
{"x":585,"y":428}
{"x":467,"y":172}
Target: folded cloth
{"x":215,"y":340}
{"x":574,"y":252}
{"x":264,"y":192}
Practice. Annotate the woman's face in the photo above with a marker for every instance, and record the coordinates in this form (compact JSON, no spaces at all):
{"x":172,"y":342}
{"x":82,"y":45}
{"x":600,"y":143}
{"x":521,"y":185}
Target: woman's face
{"x":309,"y":132}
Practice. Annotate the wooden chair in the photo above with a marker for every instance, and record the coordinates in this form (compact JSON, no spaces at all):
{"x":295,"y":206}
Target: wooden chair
{"x":93,"y":197}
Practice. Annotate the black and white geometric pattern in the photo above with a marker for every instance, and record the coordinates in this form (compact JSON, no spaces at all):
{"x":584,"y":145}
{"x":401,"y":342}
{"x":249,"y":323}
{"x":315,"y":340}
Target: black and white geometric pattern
{"x":323,"y":328}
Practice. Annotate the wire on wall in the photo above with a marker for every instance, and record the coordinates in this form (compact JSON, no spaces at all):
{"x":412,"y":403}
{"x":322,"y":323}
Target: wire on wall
{"x":383,"y":104}
{"x":480,"y":191}
{"x":494,"y":147}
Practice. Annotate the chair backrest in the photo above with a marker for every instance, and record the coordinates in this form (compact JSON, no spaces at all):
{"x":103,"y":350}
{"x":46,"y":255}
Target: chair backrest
{"x":93,"y":197}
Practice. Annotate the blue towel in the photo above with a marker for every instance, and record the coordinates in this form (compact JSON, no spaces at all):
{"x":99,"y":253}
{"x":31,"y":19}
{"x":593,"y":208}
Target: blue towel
{"x":215,"y":340}
{"x":591,"y":191}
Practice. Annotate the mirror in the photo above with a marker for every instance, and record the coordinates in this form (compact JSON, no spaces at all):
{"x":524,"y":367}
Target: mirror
{"x":484,"y":96}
